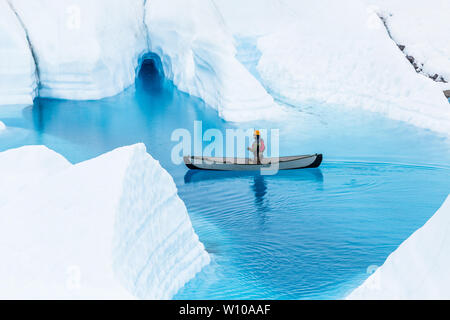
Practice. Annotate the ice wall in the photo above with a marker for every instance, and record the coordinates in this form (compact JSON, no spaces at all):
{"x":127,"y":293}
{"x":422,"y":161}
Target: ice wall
{"x":418,"y":268}
{"x":84,"y":49}
{"x":198,"y":54}
{"x":91,"y":49}
{"x":27,"y":166}
{"x":111,"y":227}
{"x":17,"y":68}
{"x":422,"y":28}
{"x":340,"y":53}
{"x":307,"y":52}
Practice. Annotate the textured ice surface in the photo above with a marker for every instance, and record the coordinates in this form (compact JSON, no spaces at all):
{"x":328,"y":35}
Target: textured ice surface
{"x":418,"y":268}
{"x":198,"y":54}
{"x":422,"y":27}
{"x":91,"y":49}
{"x":84,"y":49}
{"x":17,"y":68}
{"x":331,"y":52}
{"x":19,"y":168}
{"x":340,"y":53}
{"x":110,"y":227}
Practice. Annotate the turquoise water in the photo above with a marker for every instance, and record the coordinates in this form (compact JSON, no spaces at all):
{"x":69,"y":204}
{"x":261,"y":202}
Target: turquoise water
{"x":301,"y":234}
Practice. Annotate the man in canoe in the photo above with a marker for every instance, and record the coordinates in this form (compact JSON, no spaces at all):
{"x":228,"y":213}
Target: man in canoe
{"x":258,"y":147}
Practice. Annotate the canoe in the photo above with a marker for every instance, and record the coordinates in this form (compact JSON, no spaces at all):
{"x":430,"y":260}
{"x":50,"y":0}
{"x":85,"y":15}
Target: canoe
{"x":246,"y":164}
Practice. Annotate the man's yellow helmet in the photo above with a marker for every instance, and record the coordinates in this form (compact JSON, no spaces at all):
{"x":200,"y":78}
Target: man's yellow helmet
{"x":256,"y":132}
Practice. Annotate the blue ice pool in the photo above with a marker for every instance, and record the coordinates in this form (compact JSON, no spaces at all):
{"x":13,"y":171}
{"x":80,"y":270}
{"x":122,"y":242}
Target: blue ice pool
{"x":302,"y":234}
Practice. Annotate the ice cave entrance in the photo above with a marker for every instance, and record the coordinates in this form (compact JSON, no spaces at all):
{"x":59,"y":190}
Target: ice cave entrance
{"x":150,"y":72}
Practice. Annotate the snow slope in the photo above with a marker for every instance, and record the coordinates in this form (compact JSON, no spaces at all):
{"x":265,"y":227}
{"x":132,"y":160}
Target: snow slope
{"x":84,"y":49}
{"x":423,"y":28}
{"x":340,"y":53}
{"x":19,"y":168}
{"x":254,"y":18}
{"x":418,"y":268}
{"x":198,"y":54}
{"x":17,"y":68}
{"x":110,"y":227}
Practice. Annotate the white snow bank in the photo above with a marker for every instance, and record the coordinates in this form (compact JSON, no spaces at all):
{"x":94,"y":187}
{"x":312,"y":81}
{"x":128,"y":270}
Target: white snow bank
{"x":253,"y":18}
{"x":27,"y":166}
{"x":84,"y":49}
{"x":423,"y":28}
{"x":198,"y":54}
{"x":418,"y":268}
{"x":92,"y":229}
{"x":17,"y":69}
{"x":2,"y":126}
{"x":339,"y":53}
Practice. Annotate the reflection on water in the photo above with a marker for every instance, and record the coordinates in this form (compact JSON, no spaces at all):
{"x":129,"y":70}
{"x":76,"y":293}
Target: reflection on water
{"x":259,"y":185}
{"x":259,"y":188}
{"x":191,"y":176}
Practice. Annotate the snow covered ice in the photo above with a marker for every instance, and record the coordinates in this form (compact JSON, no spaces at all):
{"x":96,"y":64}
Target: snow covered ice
{"x":90,"y":50}
{"x":198,"y":54}
{"x":2,"y":126}
{"x":338,"y":53}
{"x":350,"y":61}
{"x":17,"y":170}
{"x":17,"y":68}
{"x":84,"y":49}
{"x":111,"y":227}
{"x":418,"y":268}
{"x":422,"y":27}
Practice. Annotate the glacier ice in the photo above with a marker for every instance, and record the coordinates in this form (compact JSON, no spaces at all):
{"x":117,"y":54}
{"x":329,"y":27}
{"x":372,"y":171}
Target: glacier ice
{"x":19,"y":168}
{"x":310,"y":52}
{"x":84,"y":49}
{"x":255,"y":18}
{"x":110,"y":227}
{"x":423,"y":29}
{"x":198,"y":54}
{"x":17,"y":67}
{"x":340,"y":53}
{"x":81,"y":54}
{"x":418,"y":268}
